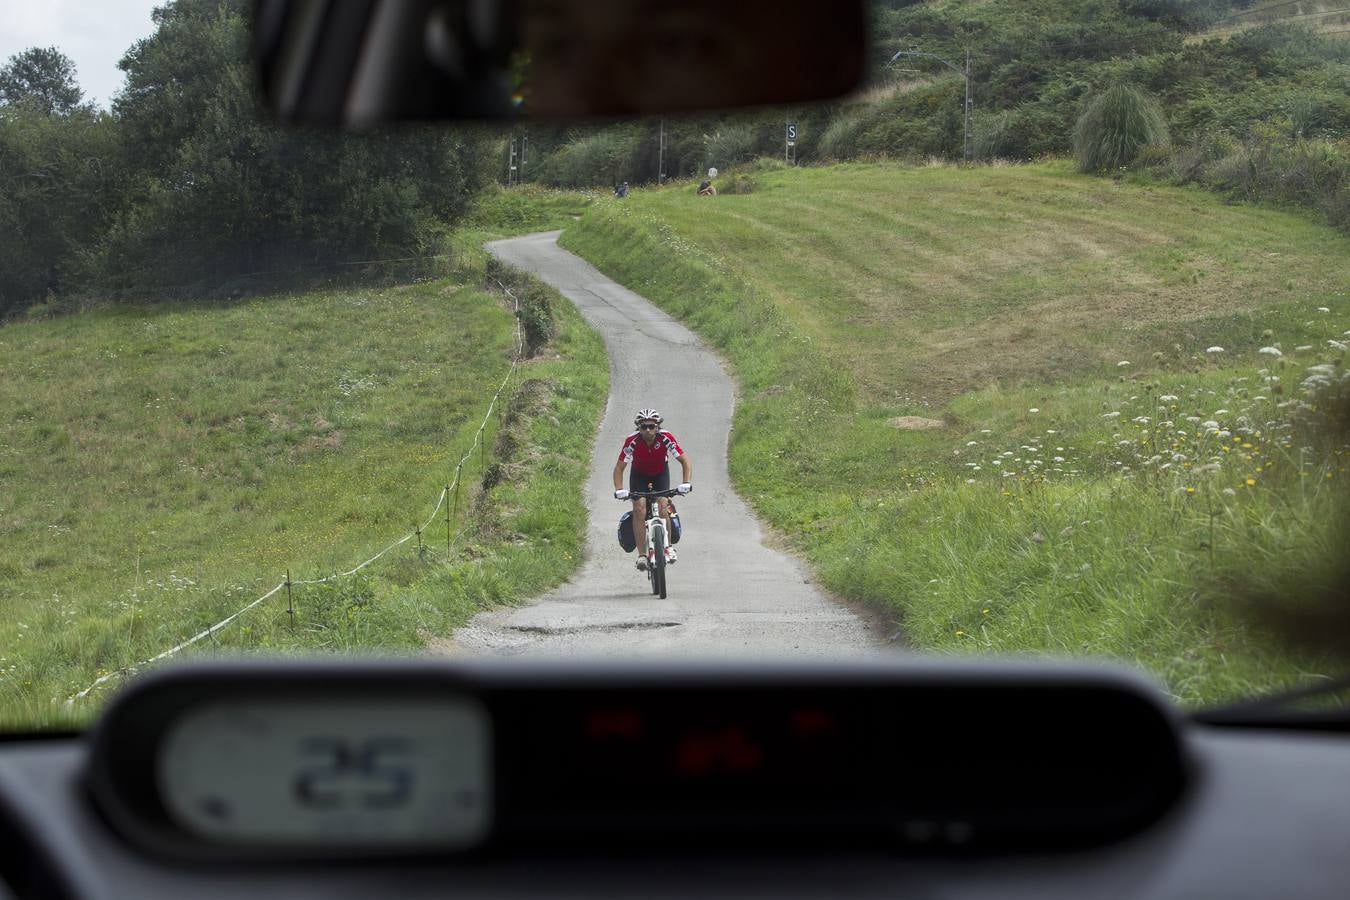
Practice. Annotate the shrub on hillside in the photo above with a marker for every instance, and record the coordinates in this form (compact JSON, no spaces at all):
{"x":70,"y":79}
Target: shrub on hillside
{"x":840,"y":140}
{"x":1115,"y":127}
{"x":729,"y":146}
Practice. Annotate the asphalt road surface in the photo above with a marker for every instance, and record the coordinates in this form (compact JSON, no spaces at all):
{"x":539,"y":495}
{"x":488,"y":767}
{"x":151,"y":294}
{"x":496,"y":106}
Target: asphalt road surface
{"x":729,"y":595}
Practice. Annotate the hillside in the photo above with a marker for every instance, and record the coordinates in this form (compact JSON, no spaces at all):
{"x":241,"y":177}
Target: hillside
{"x":1254,"y":95}
{"x":1076,"y":497}
{"x":161,"y":467}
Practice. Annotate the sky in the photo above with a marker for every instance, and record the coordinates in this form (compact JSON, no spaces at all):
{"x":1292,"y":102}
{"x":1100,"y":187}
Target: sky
{"x":93,"y":33}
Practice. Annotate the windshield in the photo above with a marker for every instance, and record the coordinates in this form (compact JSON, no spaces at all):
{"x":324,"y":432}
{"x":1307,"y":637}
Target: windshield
{"x":1034,"y":345}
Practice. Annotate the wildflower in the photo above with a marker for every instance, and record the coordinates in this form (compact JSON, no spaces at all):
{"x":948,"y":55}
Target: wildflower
{"x":1122,"y":364}
{"x":1213,"y":349}
{"x":972,"y":443}
{"x":1251,"y":482}
{"x":970,"y":481}
{"x":1301,"y":347}
{"x":960,"y":633}
{"x":1220,"y":412}
{"x":1111,"y":415}
{"x":1339,"y":345}
{"x":1229,"y":492}
{"x":1323,"y":309}
{"x":1168,"y":398}
{"x":1270,"y":351}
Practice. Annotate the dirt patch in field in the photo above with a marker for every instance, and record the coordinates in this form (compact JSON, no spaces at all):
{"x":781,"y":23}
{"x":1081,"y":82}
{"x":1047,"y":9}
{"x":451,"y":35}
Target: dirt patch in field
{"x":915,"y":423}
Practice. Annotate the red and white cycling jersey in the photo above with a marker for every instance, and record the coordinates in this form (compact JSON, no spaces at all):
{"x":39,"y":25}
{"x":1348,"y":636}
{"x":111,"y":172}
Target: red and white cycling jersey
{"x":650,"y":460}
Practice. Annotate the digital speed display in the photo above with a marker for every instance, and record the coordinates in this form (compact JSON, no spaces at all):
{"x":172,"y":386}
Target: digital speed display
{"x":315,"y":761}
{"x":359,"y":772}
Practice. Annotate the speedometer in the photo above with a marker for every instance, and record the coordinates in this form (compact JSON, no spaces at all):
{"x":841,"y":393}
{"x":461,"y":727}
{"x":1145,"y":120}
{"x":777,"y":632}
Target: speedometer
{"x":404,"y":773}
{"x":293,"y":761}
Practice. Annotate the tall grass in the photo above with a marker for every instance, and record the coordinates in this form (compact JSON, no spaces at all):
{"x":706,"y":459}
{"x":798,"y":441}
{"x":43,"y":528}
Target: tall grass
{"x":1115,"y":127}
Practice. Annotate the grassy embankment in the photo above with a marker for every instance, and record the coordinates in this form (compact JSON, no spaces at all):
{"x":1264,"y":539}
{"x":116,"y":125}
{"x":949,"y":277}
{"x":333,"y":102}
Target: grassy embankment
{"x":1101,"y":482}
{"x":163,"y":466}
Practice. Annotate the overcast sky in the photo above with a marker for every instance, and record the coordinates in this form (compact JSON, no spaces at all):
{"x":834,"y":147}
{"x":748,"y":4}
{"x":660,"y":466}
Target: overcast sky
{"x":94,"y":33}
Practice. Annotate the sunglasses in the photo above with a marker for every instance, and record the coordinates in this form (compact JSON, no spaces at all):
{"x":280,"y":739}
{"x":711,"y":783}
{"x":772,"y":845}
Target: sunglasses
{"x":647,"y":427}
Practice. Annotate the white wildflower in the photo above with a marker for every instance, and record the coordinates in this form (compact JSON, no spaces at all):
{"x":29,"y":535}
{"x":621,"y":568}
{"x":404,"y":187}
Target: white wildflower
{"x":1339,"y":345}
{"x":1033,"y":409}
{"x":1270,"y":351}
{"x":1323,"y":309}
{"x":1213,"y":349}
{"x":1111,"y":415}
{"x":1168,"y":398}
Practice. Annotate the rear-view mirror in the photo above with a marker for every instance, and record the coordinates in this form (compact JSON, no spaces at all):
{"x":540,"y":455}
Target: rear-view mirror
{"x":359,"y":63}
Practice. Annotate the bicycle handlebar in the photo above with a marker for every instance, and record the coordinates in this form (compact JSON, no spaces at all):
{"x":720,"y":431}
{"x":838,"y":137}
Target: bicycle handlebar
{"x":672,"y":492}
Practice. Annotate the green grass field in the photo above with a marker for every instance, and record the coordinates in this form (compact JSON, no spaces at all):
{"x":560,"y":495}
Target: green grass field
{"x":1100,"y":482}
{"x":163,"y":466}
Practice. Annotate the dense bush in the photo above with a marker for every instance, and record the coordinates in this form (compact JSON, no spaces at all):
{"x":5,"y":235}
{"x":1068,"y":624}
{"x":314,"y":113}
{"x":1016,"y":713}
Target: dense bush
{"x":1115,"y":127}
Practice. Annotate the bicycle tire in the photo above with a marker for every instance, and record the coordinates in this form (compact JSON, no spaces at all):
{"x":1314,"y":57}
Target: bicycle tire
{"x":659,"y":567}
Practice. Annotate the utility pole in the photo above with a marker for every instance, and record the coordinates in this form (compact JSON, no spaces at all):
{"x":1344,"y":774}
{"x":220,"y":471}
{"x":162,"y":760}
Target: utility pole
{"x":967,"y":123}
{"x":511,"y":163}
{"x":968,"y":126}
{"x":525,"y":146}
{"x":661,"y":155}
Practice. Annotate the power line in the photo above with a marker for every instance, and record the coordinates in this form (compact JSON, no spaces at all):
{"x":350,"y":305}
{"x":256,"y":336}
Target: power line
{"x":1252,"y":12}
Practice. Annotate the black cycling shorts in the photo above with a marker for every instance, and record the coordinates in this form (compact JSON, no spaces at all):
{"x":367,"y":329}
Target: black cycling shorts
{"x":639,"y":482}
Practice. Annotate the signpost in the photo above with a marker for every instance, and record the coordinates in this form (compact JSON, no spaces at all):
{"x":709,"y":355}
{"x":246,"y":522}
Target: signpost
{"x":790,"y":151}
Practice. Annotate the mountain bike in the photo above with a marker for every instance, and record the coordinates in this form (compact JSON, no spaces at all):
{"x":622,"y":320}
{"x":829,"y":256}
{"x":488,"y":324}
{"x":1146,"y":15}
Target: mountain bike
{"x":657,"y":539}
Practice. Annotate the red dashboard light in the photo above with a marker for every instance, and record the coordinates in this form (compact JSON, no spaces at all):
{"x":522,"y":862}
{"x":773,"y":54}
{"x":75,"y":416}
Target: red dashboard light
{"x":730,"y":749}
{"x":614,"y":723}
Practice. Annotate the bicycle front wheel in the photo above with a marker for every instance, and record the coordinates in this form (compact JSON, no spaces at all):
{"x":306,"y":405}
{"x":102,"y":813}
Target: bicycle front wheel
{"x":659,"y":566}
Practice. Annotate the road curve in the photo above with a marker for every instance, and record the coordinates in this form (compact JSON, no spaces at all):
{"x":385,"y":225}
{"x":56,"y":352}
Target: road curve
{"x":729,"y":595}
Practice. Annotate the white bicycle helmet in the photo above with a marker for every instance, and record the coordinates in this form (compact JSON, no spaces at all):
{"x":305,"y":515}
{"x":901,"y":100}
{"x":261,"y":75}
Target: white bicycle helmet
{"x":647,"y":414}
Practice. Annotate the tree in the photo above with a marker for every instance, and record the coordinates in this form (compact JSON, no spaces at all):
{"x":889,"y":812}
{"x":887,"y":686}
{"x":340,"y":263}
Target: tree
{"x":43,"y":77}
{"x":220,"y":192}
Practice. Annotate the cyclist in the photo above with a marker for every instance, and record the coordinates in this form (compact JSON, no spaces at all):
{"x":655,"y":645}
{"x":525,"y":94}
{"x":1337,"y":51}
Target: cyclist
{"x":649,"y":450}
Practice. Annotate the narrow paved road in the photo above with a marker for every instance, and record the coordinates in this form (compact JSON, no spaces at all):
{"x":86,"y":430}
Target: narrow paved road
{"x":729,"y":595}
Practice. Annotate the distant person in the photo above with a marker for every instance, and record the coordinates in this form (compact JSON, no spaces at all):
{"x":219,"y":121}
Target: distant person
{"x":649,"y":450}
{"x":621,"y":190}
{"x":706,"y":189}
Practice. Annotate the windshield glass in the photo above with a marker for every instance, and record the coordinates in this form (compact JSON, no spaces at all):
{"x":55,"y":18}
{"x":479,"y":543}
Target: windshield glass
{"x":1033,"y":345}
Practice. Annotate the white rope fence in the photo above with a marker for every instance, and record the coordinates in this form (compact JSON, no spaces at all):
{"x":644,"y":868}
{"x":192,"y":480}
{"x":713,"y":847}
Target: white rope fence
{"x":446,"y":493}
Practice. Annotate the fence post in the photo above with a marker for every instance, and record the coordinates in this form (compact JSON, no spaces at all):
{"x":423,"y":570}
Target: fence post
{"x":421,"y":551}
{"x":290,"y":601}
